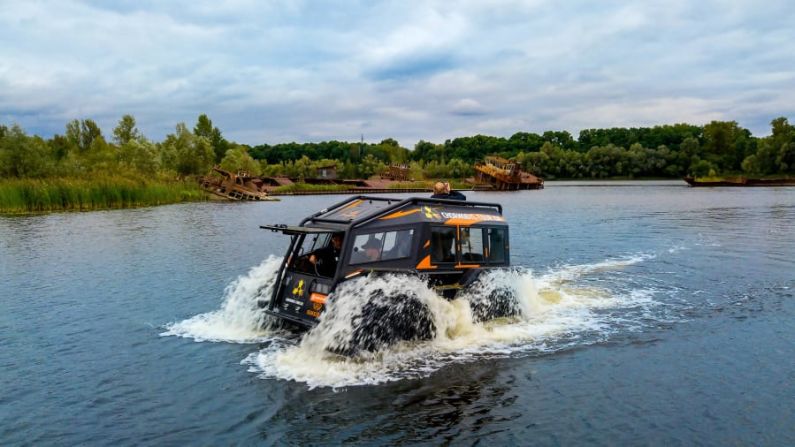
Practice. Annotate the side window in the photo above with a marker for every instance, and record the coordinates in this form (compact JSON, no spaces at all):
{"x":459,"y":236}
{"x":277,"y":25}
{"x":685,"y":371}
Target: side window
{"x":442,"y":244}
{"x":472,"y":244}
{"x":397,"y":244}
{"x":367,"y":248}
{"x":496,"y":237}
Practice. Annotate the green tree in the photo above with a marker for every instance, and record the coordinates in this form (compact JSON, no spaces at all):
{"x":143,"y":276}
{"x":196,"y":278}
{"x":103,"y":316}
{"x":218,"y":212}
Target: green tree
{"x":701,"y":168}
{"x":139,"y":155}
{"x":302,"y":168}
{"x":204,"y":128}
{"x":186,"y":153}
{"x":371,"y":166}
{"x":126,"y":130}
{"x":458,"y":168}
{"x":525,"y":142}
{"x":237,"y":159}
{"x":23,"y":156}
{"x":782,"y":141}
{"x":726,"y":145}
{"x":425,"y":151}
{"x":81,"y":134}
{"x":101,"y":156}
{"x":561,"y":139}
{"x":389,"y":142}
{"x":534,"y":162}
{"x":89,"y":132}
{"x":73,"y":133}
{"x":751,"y":165}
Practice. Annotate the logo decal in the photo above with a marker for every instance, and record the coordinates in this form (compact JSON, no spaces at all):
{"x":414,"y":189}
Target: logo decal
{"x":299,"y":289}
{"x":430,"y":213}
{"x":472,"y":216}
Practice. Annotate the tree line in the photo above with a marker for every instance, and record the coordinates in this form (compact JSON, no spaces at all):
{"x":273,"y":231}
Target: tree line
{"x":717,"y":148}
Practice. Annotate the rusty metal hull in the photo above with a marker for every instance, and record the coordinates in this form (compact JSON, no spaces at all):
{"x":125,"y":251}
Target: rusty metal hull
{"x":235,"y":186}
{"x":505,"y":180}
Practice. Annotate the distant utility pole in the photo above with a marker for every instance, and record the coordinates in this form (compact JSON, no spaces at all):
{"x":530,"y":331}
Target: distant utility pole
{"x":361,"y":147}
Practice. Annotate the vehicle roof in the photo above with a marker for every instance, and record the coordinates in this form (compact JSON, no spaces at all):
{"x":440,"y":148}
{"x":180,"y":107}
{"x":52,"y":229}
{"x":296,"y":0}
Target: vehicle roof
{"x":364,"y":210}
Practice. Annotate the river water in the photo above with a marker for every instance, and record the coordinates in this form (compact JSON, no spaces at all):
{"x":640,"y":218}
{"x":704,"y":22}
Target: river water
{"x":653,"y":313}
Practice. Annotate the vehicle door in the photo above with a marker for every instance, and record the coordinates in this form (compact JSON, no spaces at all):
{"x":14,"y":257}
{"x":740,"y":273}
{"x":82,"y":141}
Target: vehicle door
{"x":305,"y":284}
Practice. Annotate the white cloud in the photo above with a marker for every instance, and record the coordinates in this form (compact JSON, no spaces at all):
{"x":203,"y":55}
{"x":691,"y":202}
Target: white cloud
{"x":282,"y":70}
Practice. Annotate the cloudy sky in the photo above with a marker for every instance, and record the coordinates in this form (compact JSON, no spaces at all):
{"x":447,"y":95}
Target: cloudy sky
{"x":277,"y":71}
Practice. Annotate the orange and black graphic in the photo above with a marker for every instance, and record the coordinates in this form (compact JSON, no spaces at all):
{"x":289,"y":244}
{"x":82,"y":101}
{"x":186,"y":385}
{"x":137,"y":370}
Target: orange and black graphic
{"x":350,"y":211}
{"x":399,"y":214}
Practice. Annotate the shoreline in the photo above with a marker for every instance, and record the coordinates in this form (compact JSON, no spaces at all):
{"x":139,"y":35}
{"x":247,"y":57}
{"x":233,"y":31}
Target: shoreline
{"x":38,"y":196}
{"x":169,"y":193}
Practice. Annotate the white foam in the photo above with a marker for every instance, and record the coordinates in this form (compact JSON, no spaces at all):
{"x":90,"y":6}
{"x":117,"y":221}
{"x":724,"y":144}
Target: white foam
{"x":555,"y":312}
{"x":557,"y":309}
{"x":239,"y":320}
{"x":572,"y":272}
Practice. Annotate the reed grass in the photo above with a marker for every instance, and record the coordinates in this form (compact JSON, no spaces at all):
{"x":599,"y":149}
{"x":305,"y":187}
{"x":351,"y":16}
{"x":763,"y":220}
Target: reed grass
{"x":18,"y":196}
{"x":418,"y":184}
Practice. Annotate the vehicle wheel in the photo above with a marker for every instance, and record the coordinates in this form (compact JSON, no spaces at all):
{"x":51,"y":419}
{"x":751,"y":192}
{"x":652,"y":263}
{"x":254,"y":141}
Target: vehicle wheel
{"x":386,"y":320}
{"x":499,"y":303}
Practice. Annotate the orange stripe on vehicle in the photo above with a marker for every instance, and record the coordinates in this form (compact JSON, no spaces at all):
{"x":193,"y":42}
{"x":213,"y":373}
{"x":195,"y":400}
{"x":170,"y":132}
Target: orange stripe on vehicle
{"x":427,"y":244}
{"x":318,"y":298}
{"x":398,"y":214}
{"x":352,"y":204}
{"x":459,"y":221}
{"x":425,"y":264}
{"x":467,"y":266}
{"x":352,"y":274}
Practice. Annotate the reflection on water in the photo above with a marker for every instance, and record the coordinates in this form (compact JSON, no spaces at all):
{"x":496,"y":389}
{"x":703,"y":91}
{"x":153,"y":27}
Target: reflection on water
{"x":651,"y":312}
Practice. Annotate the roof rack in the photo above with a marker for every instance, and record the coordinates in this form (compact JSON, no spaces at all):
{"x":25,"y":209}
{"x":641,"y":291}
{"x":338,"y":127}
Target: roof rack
{"x":397,"y":205}
{"x":317,"y":216}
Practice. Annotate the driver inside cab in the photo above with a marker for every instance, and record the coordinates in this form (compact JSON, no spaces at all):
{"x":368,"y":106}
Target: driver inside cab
{"x":325,"y":259}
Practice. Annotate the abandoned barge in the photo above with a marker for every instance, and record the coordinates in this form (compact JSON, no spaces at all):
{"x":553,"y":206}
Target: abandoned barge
{"x":499,"y":174}
{"x":741,"y":181}
{"x":240,"y":186}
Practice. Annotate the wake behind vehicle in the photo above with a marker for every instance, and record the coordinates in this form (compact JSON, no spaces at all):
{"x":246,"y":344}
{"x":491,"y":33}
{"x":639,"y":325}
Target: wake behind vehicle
{"x":448,"y":242}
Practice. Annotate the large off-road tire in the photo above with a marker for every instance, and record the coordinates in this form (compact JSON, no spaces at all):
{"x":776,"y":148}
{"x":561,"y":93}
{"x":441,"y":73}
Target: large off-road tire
{"x":386,"y":320}
{"x":499,"y":303}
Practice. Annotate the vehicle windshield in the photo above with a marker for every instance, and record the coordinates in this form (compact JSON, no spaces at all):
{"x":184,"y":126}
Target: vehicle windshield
{"x":318,"y":254}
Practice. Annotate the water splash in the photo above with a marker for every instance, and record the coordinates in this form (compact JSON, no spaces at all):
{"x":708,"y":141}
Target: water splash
{"x":556,"y":312}
{"x":239,"y":320}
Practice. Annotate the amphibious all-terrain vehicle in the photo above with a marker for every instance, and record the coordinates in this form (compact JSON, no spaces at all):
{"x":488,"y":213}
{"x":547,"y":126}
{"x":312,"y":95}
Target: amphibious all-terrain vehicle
{"x":448,"y":242}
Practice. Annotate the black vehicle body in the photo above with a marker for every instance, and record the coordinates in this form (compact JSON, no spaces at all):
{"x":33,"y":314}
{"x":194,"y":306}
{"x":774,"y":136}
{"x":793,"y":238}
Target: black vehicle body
{"x":449,"y":242}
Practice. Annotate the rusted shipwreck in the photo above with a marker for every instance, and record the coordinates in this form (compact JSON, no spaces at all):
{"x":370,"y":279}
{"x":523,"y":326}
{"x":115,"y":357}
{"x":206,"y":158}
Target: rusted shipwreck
{"x":497,"y":173}
{"x":240,"y":186}
{"x":397,"y":172}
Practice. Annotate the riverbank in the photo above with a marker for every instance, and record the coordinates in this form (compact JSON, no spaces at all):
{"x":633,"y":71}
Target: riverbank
{"x":741,"y":181}
{"x":21,"y":196}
